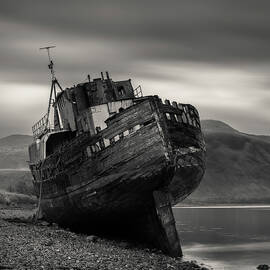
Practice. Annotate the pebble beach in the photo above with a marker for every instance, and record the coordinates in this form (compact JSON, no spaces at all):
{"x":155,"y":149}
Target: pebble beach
{"x":28,"y":245}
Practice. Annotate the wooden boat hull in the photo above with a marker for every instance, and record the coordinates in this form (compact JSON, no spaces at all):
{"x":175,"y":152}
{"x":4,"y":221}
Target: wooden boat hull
{"x":130,"y":185}
{"x":121,"y":197}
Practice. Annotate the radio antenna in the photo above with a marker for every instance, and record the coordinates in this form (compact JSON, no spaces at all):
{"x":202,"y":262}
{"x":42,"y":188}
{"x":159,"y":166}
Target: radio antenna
{"x":53,"y":88}
{"x":50,"y":60}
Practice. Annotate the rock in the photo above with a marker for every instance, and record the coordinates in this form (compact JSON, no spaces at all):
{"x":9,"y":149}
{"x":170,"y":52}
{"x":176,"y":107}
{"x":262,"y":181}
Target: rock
{"x":263,"y":267}
{"x":49,"y":243}
{"x":44,"y":223}
{"x":124,"y":245}
{"x":91,"y":238}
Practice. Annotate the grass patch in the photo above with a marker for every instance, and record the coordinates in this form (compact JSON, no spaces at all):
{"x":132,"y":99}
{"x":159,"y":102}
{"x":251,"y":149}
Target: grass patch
{"x":16,"y":199}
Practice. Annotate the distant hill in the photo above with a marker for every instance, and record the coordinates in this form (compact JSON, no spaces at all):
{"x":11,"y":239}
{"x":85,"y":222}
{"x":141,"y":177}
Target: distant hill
{"x":238,"y":166}
{"x":216,"y":126}
{"x":13,"y":151}
{"x":14,"y":172}
{"x":16,"y":140}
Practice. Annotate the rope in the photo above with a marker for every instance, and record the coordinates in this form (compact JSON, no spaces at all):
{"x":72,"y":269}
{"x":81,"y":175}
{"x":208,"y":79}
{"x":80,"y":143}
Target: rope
{"x":39,"y":201}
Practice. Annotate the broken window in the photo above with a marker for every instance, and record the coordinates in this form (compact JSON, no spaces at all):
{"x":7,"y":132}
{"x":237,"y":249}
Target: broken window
{"x":168,"y":116}
{"x":178,"y":118}
{"x":184,"y":118}
{"x":101,"y":143}
{"x":89,"y":152}
{"x":97,"y":147}
{"x":106,"y":142}
{"x":116,"y":138}
{"x":93,"y":149}
{"x":121,"y":90}
{"x":112,"y":140}
{"x":137,"y":127}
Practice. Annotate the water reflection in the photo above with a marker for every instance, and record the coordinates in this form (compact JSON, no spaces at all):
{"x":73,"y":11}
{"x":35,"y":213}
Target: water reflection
{"x":226,"y":238}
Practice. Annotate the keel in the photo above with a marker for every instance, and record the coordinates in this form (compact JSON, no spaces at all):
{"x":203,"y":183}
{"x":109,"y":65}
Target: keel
{"x":162,"y":223}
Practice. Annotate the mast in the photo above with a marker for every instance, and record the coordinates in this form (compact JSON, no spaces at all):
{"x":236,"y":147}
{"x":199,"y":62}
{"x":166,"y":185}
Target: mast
{"x":53,"y":92}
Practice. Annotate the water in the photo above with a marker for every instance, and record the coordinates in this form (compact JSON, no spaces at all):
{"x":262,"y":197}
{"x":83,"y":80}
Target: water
{"x":225,"y":237}
{"x":15,"y":170}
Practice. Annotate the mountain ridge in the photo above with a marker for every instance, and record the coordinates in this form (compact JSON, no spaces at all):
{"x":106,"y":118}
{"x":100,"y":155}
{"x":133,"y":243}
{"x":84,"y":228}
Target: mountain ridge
{"x":17,"y":139}
{"x":14,"y":151}
{"x":237,"y":166}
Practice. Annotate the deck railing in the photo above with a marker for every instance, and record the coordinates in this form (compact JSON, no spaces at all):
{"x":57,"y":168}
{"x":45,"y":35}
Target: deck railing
{"x":41,"y":127}
{"x":138,"y":92}
{"x":182,"y":113}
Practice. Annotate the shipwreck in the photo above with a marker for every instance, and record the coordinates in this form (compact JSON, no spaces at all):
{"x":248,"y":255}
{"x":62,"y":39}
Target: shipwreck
{"x":114,"y":160}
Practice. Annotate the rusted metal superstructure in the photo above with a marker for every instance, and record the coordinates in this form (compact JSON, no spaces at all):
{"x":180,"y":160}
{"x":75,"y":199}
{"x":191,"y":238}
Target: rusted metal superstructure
{"x":114,"y":161}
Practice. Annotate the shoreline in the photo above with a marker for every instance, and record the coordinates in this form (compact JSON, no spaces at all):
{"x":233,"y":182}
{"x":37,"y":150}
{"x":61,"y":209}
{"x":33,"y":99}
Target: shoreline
{"x":25,"y":245}
{"x":225,"y":206}
{"x":14,"y":170}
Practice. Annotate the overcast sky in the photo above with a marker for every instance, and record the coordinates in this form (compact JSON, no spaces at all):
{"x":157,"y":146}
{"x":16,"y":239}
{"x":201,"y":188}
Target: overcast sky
{"x":212,"y":54}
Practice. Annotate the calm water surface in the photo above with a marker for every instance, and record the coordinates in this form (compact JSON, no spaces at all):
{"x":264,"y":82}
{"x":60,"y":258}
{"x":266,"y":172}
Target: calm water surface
{"x":225,"y":237}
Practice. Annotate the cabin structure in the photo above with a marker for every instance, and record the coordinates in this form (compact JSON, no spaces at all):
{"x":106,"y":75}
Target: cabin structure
{"x":81,"y":108}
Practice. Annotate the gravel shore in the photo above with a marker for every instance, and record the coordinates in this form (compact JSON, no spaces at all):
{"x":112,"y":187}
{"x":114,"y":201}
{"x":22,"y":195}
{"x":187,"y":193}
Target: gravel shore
{"x":24,"y":245}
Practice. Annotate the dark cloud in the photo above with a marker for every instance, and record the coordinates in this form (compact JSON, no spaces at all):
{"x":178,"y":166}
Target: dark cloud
{"x":191,"y":30}
{"x":166,"y":44}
